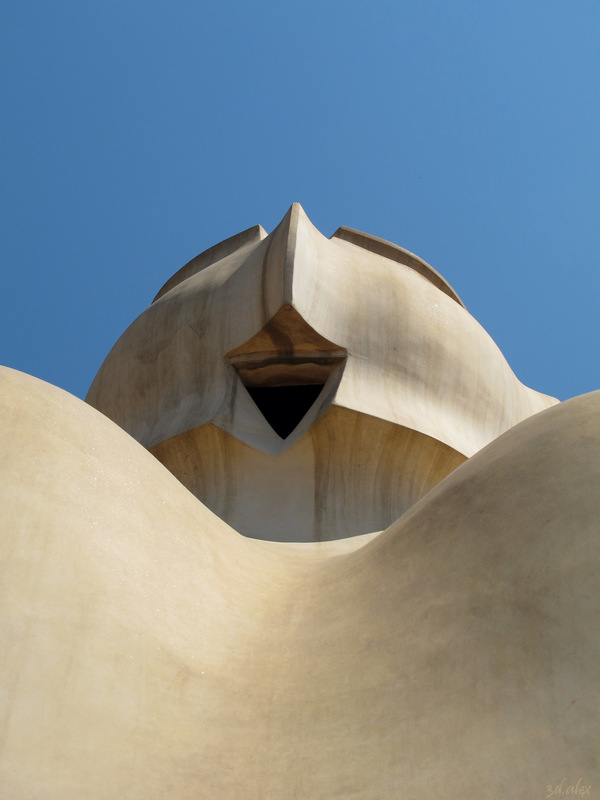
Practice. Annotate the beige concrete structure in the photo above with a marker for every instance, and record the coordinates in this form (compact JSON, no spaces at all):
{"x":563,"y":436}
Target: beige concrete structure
{"x":151,"y":651}
{"x":411,"y":383}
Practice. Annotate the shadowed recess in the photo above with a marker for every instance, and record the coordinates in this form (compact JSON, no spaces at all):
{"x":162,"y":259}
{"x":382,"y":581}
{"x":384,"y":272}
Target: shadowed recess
{"x":284,"y":406}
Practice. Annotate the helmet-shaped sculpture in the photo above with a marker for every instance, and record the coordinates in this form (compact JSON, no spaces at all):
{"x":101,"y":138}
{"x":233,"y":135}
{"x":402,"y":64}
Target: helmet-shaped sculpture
{"x":307,"y":388}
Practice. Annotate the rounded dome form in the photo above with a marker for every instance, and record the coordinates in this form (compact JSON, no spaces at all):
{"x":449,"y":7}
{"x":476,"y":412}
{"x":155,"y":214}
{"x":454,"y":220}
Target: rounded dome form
{"x":291,"y":350}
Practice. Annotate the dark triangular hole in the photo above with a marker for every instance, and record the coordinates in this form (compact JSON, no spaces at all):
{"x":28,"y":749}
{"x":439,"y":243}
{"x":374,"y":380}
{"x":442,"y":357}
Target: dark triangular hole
{"x":284,"y":406}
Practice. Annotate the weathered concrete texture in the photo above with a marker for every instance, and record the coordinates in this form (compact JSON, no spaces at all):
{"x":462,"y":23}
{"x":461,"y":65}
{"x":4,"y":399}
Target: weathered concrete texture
{"x":149,"y":651}
{"x":384,"y":333}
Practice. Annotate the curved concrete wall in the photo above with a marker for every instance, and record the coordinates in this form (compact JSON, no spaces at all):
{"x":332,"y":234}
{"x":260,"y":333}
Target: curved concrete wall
{"x":150,"y":651}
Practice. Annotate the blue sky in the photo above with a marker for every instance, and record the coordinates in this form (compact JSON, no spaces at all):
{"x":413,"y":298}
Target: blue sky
{"x":136,"y":134}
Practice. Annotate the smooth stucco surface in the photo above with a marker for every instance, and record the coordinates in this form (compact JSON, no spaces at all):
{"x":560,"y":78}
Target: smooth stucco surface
{"x":149,"y":651}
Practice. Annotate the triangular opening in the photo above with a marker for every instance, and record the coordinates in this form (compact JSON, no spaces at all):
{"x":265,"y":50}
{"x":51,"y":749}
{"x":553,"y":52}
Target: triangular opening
{"x":284,"y":406}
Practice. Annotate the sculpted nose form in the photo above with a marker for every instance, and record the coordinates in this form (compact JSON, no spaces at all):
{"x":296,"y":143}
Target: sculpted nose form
{"x":286,"y":260}
{"x":286,"y":364}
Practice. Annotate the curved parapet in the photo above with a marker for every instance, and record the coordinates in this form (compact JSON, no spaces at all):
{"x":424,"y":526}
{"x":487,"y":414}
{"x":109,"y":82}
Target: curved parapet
{"x":396,"y":253}
{"x":225,"y":248}
{"x":148,"y":646}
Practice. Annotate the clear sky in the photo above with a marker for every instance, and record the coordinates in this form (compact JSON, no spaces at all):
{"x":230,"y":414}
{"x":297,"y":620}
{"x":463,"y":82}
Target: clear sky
{"x":137,"y":134}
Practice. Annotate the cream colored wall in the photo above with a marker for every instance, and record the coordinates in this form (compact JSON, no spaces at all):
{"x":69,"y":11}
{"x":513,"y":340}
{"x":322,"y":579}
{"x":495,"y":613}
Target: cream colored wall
{"x":149,"y":651}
